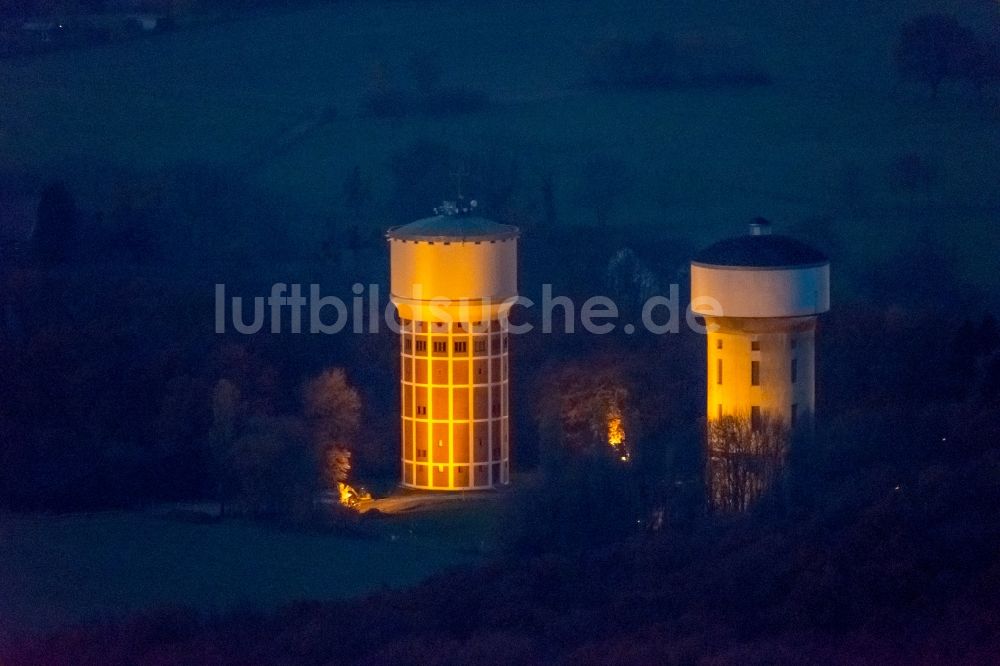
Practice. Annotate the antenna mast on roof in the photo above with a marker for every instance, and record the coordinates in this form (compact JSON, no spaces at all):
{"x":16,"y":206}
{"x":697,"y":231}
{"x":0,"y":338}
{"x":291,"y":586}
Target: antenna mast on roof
{"x":459,"y":206}
{"x":459,"y":174}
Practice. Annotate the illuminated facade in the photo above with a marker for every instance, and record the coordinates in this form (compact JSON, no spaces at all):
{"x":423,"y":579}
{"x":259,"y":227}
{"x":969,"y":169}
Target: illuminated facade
{"x":453,"y":278}
{"x":760,"y":295}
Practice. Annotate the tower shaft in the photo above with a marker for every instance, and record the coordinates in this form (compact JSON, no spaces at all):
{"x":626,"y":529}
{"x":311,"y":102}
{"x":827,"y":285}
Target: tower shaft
{"x":761,"y":366}
{"x":455,"y":405}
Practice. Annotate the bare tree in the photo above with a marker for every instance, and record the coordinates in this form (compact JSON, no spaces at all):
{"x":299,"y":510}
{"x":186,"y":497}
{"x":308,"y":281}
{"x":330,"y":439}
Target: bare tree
{"x":745,"y":458}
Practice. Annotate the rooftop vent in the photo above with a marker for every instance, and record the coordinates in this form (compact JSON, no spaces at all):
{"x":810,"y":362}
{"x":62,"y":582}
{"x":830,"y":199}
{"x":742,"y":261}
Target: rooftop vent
{"x":760,"y":227}
{"x":459,"y":207}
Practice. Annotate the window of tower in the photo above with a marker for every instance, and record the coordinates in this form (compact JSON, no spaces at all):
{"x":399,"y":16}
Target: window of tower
{"x":440,"y":346}
{"x":755,"y":345}
{"x":481,"y":375}
{"x":755,"y":373}
{"x":461,"y":347}
{"x":794,"y":414}
{"x":718,"y":371}
{"x":718,"y":343}
{"x":421,"y":345}
{"x":795,"y":370}
{"x":755,"y":418}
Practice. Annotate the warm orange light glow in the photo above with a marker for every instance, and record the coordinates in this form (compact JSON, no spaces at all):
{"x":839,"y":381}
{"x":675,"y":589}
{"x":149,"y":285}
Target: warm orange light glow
{"x":348,"y":496}
{"x":616,"y":433}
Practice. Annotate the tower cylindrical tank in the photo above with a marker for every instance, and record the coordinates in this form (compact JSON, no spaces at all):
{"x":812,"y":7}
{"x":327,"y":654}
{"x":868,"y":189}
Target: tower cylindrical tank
{"x":760,"y":295}
{"x":454,"y":277}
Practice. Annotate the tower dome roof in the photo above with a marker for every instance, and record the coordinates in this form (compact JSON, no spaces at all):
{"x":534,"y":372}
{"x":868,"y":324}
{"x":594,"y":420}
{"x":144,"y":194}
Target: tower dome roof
{"x":451,"y":228}
{"x":760,"y":249}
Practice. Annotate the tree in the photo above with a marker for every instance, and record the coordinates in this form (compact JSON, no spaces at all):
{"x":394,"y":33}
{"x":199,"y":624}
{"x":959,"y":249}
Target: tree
{"x":333,"y":415}
{"x":275,"y":467}
{"x":586,"y":411}
{"x":930,"y":49}
{"x":630,"y":282}
{"x":338,"y":465}
{"x":745,"y":458}
{"x":55,"y":227}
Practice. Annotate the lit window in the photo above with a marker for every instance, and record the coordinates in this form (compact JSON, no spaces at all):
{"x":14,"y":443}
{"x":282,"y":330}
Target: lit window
{"x":461,"y":347}
{"x":755,"y":373}
{"x":440,"y":347}
{"x":421,"y":345}
{"x":755,"y":345}
{"x":795,"y":370}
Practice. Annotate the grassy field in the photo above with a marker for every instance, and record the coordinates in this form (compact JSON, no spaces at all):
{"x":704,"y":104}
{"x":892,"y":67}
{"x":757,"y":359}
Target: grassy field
{"x":60,"y":569}
{"x":700,"y":161}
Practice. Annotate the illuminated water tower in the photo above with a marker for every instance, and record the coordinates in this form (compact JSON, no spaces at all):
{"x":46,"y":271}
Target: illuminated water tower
{"x":760,"y":295}
{"x":454,"y":277}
